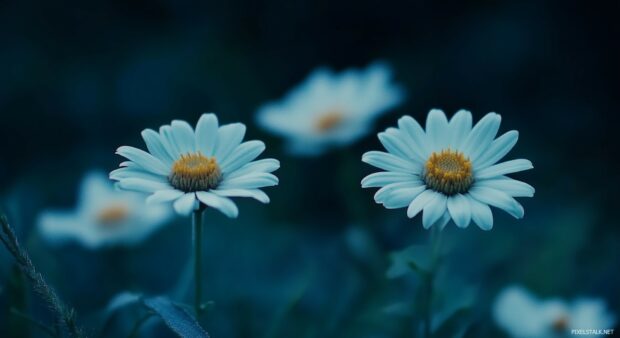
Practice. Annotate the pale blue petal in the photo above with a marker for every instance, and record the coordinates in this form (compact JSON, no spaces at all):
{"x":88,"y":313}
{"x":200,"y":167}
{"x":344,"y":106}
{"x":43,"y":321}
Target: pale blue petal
{"x":206,"y":134}
{"x":480,"y":213}
{"x":460,"y":211}
{"x":125,"y":172}
{"x":386,"y":177}
{"x":498,"y":199}
{"x":223,"y":204}
{"x":152,"y":139}
{"x":390,"y":162}
{"x":228,"y":138}
{"x":503,"y":168}
{"x":245,"y":152}
{"x":142,"y":185}
{"x":481,"y":136}
{"x":420,"y":202}
{"x":250,"y":181}
{"x":402,"y":197}
{"x":508,"y":185}
{"x":417,"y":136}
{"x":394,"y":142}
{"x":261,"y":166}
{"x":162,"y":196}
{"x":498,"y":149}
{"x":443,"y":221}
{"x":143,"y":159}
{"x":460,"y":127}
{"x":437,"y":129}
{"x":184,"y":136}
{"x":256,"y":194}
{"x":434,"y":209}
{"x":168,"y":141}
{"x":384,"y":192}
{"x":185,"y":204}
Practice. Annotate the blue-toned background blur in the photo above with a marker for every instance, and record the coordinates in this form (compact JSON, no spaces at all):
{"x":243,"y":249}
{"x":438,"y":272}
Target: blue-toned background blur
{"x":78,"y":79}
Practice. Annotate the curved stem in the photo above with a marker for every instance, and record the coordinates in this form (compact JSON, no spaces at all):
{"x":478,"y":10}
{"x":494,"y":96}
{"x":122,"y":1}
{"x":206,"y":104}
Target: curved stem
{"x":430,"y":279}
{"x":197,"y":239}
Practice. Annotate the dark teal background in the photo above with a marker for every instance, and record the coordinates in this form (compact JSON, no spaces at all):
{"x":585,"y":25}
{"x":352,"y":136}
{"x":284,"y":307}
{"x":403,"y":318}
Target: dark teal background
{"x":78,"y":79}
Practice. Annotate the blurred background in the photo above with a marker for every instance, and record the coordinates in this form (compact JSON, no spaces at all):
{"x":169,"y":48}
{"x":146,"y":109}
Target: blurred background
{"x":79,"y":79}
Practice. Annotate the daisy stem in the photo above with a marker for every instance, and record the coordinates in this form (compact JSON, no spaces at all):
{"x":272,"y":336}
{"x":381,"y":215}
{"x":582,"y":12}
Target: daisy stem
{"x":197,"y":239}
{"x":430,"y":279}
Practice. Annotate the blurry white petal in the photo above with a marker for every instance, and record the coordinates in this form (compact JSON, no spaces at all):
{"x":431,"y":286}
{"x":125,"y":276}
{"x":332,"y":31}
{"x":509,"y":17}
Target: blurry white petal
{"x":223,"y":204}
{"x":185,"y":204}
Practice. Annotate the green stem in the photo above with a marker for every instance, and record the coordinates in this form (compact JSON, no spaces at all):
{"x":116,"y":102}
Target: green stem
{"x":430,"y":279}
{"x":197,"y":239}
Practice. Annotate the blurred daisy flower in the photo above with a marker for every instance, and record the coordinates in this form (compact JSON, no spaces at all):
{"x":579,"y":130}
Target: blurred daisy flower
{"x":448,"y":172}
{"x":190,"y":168}
{"x":104,"y":216}
{"x":331,"y":109}
{"x":522,"y":315}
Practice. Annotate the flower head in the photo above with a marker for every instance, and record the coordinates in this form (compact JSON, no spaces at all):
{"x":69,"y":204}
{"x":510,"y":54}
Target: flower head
{"x":522,"y":315}
{"x":331,"y":109}
{"x":104,"y":216}
{"x":190,"y":168}
{"x":449,"y":171}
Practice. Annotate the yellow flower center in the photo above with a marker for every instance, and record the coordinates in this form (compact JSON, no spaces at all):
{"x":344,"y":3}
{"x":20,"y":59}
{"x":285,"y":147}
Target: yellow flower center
{"x":448,"y":172}
{"x":112,"y":215}
{"x":328,"y":121}
{"x":195,"y":172}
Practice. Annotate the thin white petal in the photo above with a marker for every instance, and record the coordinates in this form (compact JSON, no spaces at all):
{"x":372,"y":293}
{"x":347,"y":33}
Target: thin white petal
{"x":498,"y":149}
{"x":183,"y":136}
{"x":153,"y":142}
{"x":416,"y":135}
{"x":256,"y":194}
{"x":437,"y":129}
{"x":401,"y":198}
{"x":223,"y":204}
{"x":185,"y":204}
{"x":390,"y":162}
{"x":419,"y":202}
{"x":142,"y":185}
{"x":250,"y":181}
{"x":460,"y":127}
{"x":228,"y":138}
{"x":481,"y":136}
{"x":386,"y":177}
{"x":245,"y":152}
{"x":206,"y":134}
{"x":498,"y":199}
{"x":503,"y":168}
{"x":143,"y":159}
{"x":508,"y":185}
{"x":266,"y":165}
{"x":434,"y":209}
{"x":460,"y":211}
{"x":481,"y":213}
{"x":162,"y":196}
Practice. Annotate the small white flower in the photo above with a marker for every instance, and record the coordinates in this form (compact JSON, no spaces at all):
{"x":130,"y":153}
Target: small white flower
{"x":331,"y":109}
{"x":449,"y":171}
{"x":104,"y":216}
{"x":522,"y":315}
{"x":192,"y":168}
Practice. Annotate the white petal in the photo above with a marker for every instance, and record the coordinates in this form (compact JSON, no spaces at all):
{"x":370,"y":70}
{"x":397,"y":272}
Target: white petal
{"x":460,"y":211}
{"x":168,"y":141}
{"x":434,"y":209}
{"x":143,"y":159}
{"x":245,"y":152}
{"x":497,"y":199}
{"x":256,"y":194}
{"x":142,"y":185}
{"x":460,"y":127}
{"x":153,"y":143}
{"x":250,"y":181}
{"x":390,"y":162}
{"x":394,"y":143}
{"x":125,"y":172}
{"x":185,"y":204}
{"x":386,"y":177}
{"x":206,"y":134}
{"x":443,"y":221}
{"x":223,"y":204}
{"x":508,"y":185}
{"x":266,"y":165}
{"x":437,"y":129}
{"x":420,"y":202}
{"x":481,"y":136}
{"x":382,"y":193}
{"x":503,"y":168}
{"x":183,"y":136}
{"x":401,"y":198}
{"x":416,"y":135}
{"x":228,"y":138}
{"x":162,"y":196}
{"x":481,"y":214}
{"x":498,"y":149}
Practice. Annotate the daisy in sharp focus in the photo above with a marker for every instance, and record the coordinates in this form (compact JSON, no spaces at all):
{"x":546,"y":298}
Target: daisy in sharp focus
{"x":190,"y":168}
{"x":331,"y":109}
{"x":522,"y":315}
{"x":104,"y":216}
{"x":449,"y":171}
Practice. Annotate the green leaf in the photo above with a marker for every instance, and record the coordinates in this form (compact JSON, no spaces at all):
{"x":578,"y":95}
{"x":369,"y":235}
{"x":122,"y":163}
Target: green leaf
{"x":175,"y":317}
{"x":413,"y":258}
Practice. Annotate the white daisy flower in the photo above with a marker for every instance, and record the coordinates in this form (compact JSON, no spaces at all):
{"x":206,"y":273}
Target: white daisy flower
{"x":522,"y":315}
{"x":331,"y":109}
{"x":197,"y":168}
{"x":449,"y":171}
{"x":104,"y":216}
